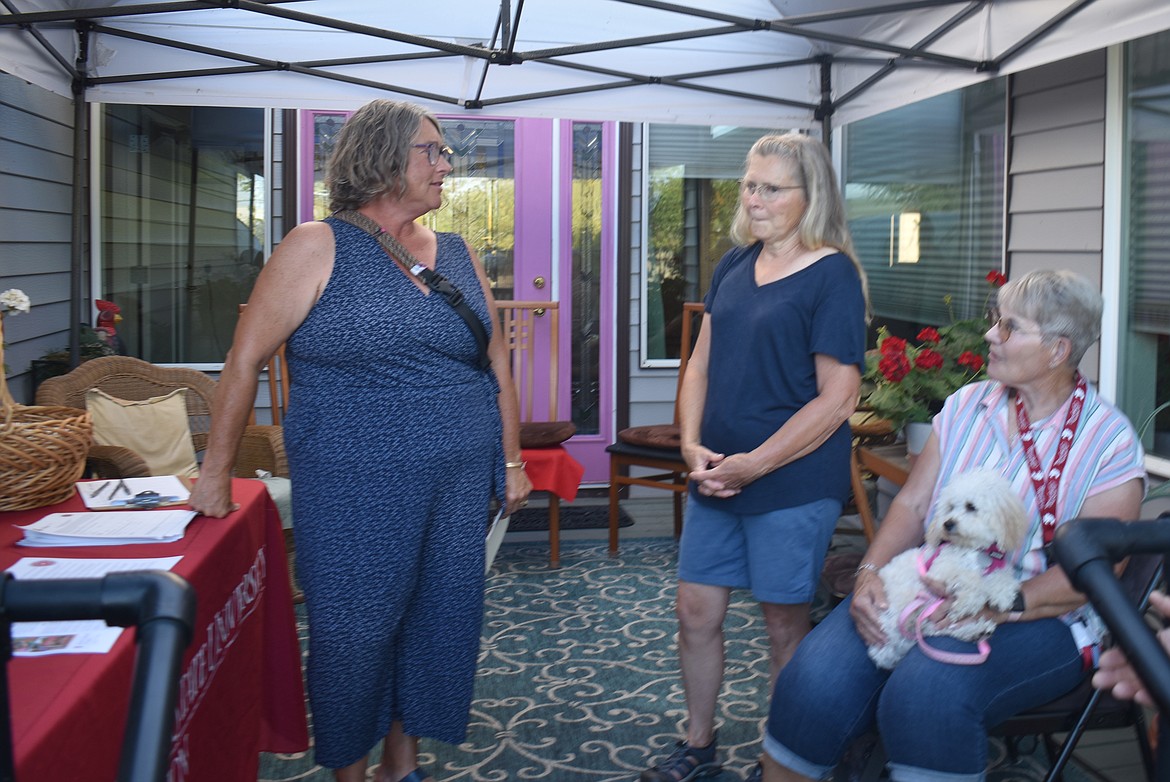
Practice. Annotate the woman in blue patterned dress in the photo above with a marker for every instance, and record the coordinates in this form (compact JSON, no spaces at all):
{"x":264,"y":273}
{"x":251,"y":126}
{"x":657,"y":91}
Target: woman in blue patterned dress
{"x":397,"y":439}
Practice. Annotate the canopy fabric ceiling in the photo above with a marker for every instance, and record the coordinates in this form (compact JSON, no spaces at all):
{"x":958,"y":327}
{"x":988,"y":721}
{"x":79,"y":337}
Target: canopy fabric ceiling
{"x":766,"y":63}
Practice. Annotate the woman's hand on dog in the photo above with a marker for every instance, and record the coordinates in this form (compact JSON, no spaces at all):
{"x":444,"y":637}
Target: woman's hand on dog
{"x":869,"y":601}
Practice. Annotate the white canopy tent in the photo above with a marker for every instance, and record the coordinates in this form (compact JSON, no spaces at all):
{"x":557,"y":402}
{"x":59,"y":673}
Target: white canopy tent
{"x":761,"y":63}
{"x":770,"y":63}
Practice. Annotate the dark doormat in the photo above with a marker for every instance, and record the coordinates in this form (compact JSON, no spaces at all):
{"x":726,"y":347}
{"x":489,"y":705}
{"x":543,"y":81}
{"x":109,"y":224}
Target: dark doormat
{"x":572,"y":517}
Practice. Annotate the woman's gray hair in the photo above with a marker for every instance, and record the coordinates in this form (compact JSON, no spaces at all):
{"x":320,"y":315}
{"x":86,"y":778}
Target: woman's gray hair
{"x":823,"y":223}
{"x":372,"y":152}
{"x":1062,"y":303}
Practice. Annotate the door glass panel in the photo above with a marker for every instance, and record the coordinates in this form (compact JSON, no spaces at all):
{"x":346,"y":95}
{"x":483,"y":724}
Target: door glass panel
{"x":182,"y":225}
{"x":479,"y":196}
{"x":586,"y":271}
{"x":324,"y":128}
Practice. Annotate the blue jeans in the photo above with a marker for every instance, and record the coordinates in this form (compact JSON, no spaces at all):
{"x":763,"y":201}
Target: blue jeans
{"x":933,"y":717}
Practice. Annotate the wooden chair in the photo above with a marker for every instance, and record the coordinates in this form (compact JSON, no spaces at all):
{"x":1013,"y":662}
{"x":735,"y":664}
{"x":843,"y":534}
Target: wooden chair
{"x":278,"y":381}
{"x":531,"y":330}
{"x":653,"y":447}
{"x":124,"y":377}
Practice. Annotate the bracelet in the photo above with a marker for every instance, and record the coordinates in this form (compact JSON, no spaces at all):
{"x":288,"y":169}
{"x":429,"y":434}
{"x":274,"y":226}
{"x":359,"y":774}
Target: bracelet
{"x":1015,"y":616}
{"x":864,"y":566}
{"x":515,"y":465}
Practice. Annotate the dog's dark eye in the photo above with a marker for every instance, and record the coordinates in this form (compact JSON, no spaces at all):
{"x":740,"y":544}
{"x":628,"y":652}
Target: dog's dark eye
{"x":970,"y":507}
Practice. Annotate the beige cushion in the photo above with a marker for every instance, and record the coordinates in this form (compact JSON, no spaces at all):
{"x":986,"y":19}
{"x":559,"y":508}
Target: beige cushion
{"x":156,"y":429}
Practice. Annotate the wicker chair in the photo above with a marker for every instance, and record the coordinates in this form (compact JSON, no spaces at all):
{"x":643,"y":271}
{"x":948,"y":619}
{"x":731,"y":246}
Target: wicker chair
{"x":262,"y":447}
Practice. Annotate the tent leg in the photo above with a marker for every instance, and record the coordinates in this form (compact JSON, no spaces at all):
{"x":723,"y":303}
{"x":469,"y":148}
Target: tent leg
{"x":77,"y":238}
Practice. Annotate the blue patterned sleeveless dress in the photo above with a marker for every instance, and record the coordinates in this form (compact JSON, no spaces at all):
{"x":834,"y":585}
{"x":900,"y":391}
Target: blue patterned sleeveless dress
{"x":394,"y":446}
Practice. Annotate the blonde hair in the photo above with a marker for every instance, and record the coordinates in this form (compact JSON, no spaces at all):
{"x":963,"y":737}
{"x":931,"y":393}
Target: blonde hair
{"x":823,"y":223}
{"x":371,"y":153}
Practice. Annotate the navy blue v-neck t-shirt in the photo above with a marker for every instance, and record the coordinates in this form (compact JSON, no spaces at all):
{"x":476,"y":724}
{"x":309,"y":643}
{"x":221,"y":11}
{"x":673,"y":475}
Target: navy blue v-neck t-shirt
{"x":762,"y":369}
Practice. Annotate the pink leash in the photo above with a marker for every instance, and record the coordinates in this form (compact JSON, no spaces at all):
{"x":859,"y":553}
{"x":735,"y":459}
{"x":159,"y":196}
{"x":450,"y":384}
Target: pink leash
{"x":924,"y":598}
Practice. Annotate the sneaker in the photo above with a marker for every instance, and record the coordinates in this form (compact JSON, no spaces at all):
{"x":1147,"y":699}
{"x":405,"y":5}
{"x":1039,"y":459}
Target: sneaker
{"x":756,"y":774}
{"x":684,"y":764}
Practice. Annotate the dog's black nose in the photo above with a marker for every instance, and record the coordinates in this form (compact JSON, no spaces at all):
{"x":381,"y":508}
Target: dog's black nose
{"x":949,"y":526}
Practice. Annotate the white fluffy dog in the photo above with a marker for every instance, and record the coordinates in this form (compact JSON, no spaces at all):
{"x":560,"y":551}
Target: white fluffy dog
{"x":978,"y":522}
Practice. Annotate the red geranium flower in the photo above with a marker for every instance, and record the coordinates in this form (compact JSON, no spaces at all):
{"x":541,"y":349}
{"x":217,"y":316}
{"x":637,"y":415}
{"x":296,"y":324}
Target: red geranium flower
{"x":929,"y":335}
{"x":892,"y":346}
{"x":971,"y":360}
{"x":894,"y":367}
{"x":996,"y":278}
{"x":928,"y":359}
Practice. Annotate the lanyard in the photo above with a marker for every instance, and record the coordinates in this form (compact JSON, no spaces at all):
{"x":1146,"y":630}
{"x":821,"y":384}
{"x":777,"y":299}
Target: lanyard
{"x":1047,"y":483}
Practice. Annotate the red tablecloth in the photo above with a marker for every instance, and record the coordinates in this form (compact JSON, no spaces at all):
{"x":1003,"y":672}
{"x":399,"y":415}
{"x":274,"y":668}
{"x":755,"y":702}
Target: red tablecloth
{"x":240,"y":691}
{"x":553,"y":469}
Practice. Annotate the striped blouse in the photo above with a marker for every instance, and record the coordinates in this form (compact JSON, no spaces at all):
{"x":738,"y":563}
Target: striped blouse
{"x":972,"y":431}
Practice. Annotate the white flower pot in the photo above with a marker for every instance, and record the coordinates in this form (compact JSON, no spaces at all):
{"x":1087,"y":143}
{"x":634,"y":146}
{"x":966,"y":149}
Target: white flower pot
{"x":916,"y":433}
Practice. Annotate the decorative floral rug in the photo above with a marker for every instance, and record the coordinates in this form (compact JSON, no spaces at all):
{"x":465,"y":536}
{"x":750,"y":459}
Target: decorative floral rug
{"x":578,"y":676}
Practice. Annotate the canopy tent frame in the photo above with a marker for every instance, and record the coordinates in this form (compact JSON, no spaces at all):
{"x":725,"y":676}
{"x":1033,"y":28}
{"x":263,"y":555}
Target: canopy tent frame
{"x":776,"y":63}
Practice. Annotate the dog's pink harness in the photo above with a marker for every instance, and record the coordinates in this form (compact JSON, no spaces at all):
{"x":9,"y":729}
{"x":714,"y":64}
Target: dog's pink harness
{"x":929,"y":603}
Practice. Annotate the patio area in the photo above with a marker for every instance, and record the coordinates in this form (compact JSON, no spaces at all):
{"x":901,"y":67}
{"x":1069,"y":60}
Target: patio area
{"x":579,"y":675}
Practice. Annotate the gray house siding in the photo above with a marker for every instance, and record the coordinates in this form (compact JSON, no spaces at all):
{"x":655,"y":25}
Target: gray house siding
{"x":1056,"y":171}
{"x":36,"y":207}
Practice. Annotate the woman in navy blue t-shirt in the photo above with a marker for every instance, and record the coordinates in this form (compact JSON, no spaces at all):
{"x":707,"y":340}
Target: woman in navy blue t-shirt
{"x":766,"y":399}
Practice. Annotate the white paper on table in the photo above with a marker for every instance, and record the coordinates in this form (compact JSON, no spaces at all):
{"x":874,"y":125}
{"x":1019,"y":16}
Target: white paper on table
{"x":107,"y":528}
{"x":107,"y":494}
{"x":83,"y":636}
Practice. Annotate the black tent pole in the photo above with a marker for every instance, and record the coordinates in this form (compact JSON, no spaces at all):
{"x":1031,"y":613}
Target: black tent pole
{"x":77,"y":240}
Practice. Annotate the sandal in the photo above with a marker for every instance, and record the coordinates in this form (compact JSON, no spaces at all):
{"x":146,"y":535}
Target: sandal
{"x":418,"y":775}
{"x":684,"y":764}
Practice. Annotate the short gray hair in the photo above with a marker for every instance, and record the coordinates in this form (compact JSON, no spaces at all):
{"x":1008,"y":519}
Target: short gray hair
{"x":1062,"y":303}
{"x":371,"y":152}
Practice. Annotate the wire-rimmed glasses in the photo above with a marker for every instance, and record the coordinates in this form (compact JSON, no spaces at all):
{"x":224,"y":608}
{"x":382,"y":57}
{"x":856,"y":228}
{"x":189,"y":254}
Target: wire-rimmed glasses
{"x":767,"y":193}
{"x":1005,"y":327}
{"x":435,"y":150}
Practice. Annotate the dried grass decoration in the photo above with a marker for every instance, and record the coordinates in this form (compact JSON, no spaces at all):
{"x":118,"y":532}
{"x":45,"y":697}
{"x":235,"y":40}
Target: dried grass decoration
{"x":42,"y":448}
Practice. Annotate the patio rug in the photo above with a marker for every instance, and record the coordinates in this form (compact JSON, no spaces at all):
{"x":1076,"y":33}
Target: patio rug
{"x":572,"y":517}
{"x":578,"y":676}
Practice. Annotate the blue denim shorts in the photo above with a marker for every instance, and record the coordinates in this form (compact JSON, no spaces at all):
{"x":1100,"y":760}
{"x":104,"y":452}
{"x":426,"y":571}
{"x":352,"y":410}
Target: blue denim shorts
{"x":778,"y":554}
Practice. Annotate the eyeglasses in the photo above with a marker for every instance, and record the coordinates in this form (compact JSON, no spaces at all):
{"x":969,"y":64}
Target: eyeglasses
{"x":1005,"y":327}
{"x":767,"y":193}
{"x":434,"y":150}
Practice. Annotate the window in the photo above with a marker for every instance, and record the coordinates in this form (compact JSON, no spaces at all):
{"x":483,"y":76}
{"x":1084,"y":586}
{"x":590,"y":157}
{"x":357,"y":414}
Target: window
{"x":1145,"y":349}
{"x":182,"y":225}
{"x":924,"y":192}
{"x":586,"y":216}
{"x":692,"y":196}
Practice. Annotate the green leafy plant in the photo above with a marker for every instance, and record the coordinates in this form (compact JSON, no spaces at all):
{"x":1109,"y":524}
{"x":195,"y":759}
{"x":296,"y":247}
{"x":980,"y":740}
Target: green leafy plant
{"x":909,"y":382}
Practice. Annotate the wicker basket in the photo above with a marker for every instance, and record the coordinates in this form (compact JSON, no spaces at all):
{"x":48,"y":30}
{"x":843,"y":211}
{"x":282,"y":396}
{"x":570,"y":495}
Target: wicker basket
{"x":42,"y":450}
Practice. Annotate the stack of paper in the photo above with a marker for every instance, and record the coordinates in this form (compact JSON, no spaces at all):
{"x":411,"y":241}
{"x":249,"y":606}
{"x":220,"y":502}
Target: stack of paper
{"x":82,"y":636}
{"x":111,"y":528}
